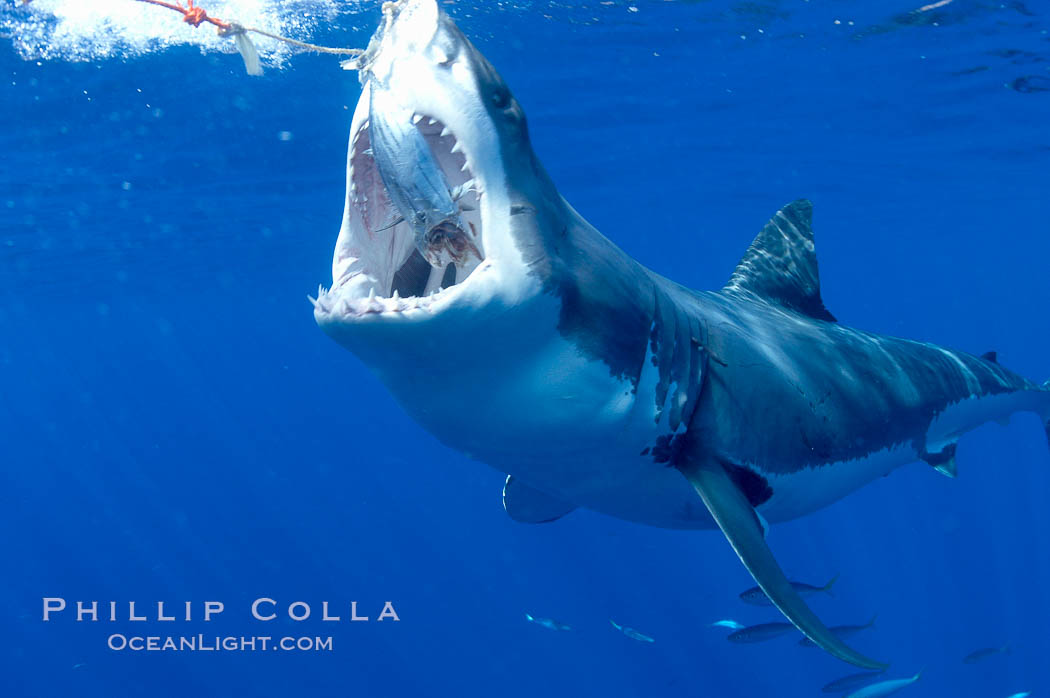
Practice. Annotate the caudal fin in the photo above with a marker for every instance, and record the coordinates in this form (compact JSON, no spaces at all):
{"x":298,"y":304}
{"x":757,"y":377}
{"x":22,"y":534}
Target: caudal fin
{"x":827,"y":587}
{"x":1044,"y":411}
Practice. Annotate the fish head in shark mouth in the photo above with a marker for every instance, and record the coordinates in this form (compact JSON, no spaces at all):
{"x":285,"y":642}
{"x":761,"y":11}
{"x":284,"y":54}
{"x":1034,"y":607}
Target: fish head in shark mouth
{"x":439,"y":175}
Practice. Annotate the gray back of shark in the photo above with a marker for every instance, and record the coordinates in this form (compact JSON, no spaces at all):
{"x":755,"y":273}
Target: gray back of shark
{"x":608,"y":386}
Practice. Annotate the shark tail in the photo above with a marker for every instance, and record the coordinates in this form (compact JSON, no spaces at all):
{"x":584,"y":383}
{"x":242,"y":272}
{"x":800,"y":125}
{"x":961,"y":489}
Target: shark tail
{"x":871,"y":623}
{"x":1045,"y":414}
{"x":827,"y":587}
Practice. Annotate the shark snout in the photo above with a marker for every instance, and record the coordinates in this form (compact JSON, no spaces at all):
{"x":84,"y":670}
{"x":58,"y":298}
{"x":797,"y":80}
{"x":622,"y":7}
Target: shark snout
{"x":407,"y":33}
{"x":411,"y":22}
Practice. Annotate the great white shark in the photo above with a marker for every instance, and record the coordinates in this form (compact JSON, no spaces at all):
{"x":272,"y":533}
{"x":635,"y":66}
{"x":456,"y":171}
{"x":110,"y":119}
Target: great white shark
{"x":516,"y":333}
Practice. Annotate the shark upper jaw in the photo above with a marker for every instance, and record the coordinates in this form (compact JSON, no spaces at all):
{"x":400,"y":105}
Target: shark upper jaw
{"x":420,"y":61}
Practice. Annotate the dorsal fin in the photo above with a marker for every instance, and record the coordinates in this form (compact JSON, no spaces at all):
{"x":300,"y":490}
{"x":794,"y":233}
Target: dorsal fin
{"x":781,"y":264}
{"x":990,"y":356}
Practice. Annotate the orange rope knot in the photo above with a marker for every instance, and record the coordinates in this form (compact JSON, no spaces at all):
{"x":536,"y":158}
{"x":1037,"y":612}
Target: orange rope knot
{"x":196,"y":16}
{"x":191,"y":14}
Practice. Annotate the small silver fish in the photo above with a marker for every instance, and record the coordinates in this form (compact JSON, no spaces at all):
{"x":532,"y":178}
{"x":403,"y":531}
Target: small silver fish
{"x":1022,"y":694}
{"x":632,"y":633}
{"x":760,"y":632}
{"x":756,"y":597}
{"x":840,"y":631}
{"x":852,"y":681}
{"x":884,"y":688}
{"x":548,"y":623}
{"x":985,"y":653}
{"x":731,"y":624}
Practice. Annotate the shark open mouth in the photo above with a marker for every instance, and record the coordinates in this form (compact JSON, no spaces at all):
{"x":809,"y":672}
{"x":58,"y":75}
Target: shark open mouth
{"x":391,"y":257}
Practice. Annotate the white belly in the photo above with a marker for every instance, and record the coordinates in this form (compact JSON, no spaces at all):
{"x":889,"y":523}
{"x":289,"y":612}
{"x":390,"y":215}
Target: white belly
{"x":803,"y":492}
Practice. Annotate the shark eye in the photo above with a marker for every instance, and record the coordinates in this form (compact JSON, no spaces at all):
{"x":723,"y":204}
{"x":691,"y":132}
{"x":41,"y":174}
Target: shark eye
{"x":501,"y":98}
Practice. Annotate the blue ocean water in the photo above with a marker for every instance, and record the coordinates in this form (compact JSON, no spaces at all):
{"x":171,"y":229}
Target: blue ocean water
{"x":173,"y":425}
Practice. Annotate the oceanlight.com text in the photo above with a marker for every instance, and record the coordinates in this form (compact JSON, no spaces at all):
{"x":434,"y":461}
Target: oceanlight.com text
{"x":217,"y":643}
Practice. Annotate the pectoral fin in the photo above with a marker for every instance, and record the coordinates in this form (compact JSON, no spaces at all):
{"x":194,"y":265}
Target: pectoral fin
{"x":741,"y":525}
{"x":528,"y":505}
